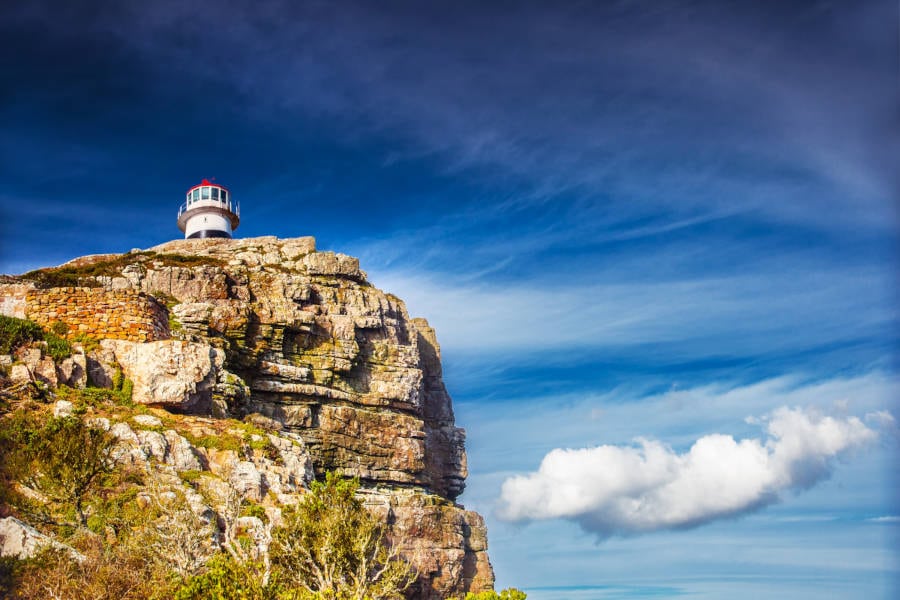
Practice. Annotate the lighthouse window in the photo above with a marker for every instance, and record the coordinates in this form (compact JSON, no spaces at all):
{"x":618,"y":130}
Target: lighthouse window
{"x":224,"y":195}
{"x":205,"y":193}
{"x":196,"y":194}
{"x":215,"y":193}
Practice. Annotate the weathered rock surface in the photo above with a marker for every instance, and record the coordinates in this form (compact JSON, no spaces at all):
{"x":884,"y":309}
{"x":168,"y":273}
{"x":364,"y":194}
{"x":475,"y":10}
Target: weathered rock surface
{"x":308,"y":342}
{"x":447,"y":545}
{"x":20,"y":540}
{"x":276,"y":333}
{"x":172,"y":373}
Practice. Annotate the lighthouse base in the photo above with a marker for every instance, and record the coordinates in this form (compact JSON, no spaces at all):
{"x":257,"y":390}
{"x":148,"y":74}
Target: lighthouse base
{"x":208,"y":233}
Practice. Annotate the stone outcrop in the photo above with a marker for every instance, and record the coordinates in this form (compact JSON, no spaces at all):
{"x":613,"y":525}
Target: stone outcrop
{"x":271,"y":331}
{"x":33,"y":365}
{"x":19,"y":540}
{"x":449,"y":545}
{"x":173,"y":373}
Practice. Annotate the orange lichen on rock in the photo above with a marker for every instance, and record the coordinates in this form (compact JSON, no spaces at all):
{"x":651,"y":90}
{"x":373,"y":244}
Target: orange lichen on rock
{"x":100,"y":313}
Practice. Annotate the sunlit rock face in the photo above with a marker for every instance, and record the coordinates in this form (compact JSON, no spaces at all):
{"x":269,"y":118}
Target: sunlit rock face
{"x":272,"y":329}
{"x":321,"y":350}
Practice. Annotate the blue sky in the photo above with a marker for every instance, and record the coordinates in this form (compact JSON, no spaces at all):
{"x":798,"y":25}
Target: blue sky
{"x":626,"y":220}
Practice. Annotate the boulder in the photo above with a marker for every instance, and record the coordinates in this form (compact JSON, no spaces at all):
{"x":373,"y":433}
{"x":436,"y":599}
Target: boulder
{"x":172,"y":373}
{"x":72,"y":371}
{"x":24,"y":541}
{"x":63,"y":408}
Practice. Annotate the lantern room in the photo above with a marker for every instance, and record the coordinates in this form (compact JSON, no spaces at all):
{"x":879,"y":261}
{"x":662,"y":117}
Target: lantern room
{"x":208,"y":212}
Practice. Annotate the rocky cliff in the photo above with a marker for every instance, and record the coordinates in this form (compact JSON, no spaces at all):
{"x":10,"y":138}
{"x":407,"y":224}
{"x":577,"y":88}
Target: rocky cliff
{"x":271,"y":331}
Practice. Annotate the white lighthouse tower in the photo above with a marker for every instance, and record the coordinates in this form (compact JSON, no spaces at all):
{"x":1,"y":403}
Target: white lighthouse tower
{"x":208,"y":212}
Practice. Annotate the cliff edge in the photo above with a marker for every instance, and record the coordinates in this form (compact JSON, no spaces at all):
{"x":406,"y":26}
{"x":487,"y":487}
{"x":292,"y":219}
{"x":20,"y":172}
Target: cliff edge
{"x":270,"y":330}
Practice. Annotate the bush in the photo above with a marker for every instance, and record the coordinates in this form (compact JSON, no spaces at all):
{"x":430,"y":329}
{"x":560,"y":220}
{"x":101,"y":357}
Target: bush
{"x":59,"y":328}
{"x":92,"y":396}
{"x":9,"y":568}
{"x":221,"y":441}
{"x":507,"y":594}
{"x":16,"y":332}
{"x":65,"y":459}
{"x":191,"y":476}
{"x":252,"y":509}
{"x":226,"y":578}
{"x":118,"y":572}
{"x":122,"y":387}
{"x":126,"y":393}
{"x":57,"y":347}
{"x":87,"y":342}
{"x":119,"y":511}
{"x":332,"y":547}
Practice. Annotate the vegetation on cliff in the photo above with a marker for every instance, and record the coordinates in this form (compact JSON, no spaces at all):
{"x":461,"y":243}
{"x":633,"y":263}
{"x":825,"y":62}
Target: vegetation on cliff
{"x":16,"y":332}
{"x":230,"y":374}
{"x":84,"y":273}
{"x":124,"y":538}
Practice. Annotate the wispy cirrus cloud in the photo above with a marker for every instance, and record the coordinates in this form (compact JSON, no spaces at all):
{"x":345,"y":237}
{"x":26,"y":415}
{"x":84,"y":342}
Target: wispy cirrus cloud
{"x":695,"y":316}
{"x":886,"y":519}
{"x":646,"y":108}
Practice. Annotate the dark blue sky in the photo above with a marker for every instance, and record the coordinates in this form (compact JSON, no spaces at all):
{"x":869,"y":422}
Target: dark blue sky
{"x":671,"y":214}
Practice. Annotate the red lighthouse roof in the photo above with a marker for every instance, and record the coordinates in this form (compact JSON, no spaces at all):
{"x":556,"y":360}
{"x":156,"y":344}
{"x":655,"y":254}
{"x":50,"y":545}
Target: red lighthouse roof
{"x":208,"y":182}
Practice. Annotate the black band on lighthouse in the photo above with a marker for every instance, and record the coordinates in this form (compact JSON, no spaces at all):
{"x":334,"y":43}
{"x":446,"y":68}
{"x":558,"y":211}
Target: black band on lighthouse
{"x":208,"y":233}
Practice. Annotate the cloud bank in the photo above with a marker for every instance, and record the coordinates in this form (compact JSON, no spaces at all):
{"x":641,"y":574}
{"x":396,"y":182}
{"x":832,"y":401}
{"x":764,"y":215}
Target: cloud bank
{"x":614,"y":490}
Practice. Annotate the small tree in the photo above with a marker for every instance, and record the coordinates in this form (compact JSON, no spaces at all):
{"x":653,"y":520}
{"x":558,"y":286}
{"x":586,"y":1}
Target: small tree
{"x":332,"y":547}
{"x":180,"y":538}
{"x":65,"y":460}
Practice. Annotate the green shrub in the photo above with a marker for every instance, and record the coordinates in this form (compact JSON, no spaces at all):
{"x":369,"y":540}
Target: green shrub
{"x":57,"y":347}
{"x":262,"y":442}
{"x":187,"y":260}
{"x":331,"y":545}
{"x":118,"y":378}
{"x":190,"y":476}
{"x":223,"y":441}
{"x":63,"y":458}
{"x":174,"y":324}
{"x":123,"y":386}
{"x":59,"y":328}
{"x":16,"y":332}
{"x":91,"y":396}
{"x":119,"y":511}
{"x":126,"y":392}
{"x":227,"y":578}
{"x":507,"y":594}
{"x":252,"y":509}
{"x":88,"y":343}
{"x":8,"y":569}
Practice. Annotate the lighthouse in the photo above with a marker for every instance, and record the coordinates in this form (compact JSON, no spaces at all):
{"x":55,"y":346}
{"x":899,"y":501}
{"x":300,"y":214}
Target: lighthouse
{"x":208,"y":212}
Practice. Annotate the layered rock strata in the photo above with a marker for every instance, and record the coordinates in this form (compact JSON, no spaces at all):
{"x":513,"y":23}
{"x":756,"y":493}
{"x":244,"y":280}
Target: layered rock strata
{"x":272,"y":329}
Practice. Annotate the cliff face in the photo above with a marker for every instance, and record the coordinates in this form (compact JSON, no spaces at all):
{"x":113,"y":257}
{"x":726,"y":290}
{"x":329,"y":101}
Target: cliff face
{"x":270,"y":329}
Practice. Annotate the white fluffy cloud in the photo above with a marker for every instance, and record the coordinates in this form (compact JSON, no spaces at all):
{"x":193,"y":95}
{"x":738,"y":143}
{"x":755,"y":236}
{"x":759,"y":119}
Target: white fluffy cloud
{"x":614,"y":490}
